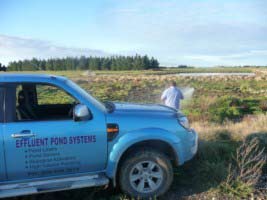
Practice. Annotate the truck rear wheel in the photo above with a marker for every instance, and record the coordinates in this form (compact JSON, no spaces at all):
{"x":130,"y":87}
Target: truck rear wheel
{"x":146,"y":173}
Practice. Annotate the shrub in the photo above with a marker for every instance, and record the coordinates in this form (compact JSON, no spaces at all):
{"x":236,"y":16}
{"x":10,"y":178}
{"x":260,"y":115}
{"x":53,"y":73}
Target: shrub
{"x":234,"y":109}
{"x":245,"y":170}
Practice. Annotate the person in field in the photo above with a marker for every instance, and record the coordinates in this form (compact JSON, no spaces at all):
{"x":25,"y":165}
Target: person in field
{"x":172,"y":96}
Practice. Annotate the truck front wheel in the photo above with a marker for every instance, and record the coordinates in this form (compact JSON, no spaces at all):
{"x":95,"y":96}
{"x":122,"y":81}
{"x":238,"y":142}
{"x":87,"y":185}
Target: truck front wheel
{"x":146,"y":173}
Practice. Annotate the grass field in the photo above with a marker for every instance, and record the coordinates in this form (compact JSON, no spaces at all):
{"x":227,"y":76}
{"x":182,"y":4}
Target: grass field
{"x":226,"y":111}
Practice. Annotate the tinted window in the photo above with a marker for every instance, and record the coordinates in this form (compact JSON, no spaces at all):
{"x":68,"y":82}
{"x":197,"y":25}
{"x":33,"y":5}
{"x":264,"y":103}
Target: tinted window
{"x":39,"y":102}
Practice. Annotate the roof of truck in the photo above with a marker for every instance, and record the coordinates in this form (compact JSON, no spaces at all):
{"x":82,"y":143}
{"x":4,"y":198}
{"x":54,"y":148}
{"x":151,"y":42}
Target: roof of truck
{"x":10,"y":77}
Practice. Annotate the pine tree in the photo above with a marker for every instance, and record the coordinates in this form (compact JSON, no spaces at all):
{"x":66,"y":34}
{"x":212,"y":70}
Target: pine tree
{"x":136,"y":62}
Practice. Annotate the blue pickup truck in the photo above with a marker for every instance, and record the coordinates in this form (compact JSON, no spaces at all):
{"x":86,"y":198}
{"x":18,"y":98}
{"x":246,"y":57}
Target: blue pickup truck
{"x":55,"y":136}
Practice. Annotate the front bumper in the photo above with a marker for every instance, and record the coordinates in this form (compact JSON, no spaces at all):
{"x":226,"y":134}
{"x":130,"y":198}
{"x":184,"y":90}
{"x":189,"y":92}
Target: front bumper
{"x":193,"y":145}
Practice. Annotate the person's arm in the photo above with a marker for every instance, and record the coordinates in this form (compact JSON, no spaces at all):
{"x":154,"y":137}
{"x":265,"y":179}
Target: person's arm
{"x":164,"y":96}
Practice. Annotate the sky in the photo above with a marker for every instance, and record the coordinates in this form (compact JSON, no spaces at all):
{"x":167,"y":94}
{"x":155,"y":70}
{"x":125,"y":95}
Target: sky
{"x":180,"y":32}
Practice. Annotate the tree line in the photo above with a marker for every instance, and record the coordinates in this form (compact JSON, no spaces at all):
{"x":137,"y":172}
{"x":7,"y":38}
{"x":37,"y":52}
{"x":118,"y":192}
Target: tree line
{"x":2,"y":67}
{"x":136,"y":62}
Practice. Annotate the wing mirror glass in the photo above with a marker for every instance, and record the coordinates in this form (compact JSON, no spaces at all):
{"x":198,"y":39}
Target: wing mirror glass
{"x":82,"y":113}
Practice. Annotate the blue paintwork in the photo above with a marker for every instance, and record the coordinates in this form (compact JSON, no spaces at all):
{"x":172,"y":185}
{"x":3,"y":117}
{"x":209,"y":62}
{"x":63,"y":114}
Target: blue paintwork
{"x":137,"y":123}
{"x":85,"y":153}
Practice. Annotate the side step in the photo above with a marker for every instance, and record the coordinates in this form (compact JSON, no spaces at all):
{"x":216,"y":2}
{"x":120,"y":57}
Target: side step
{"x":69,"y":183}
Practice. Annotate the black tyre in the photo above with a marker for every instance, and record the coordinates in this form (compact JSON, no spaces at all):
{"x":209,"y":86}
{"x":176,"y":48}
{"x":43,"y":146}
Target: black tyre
{"x":146,"y":173}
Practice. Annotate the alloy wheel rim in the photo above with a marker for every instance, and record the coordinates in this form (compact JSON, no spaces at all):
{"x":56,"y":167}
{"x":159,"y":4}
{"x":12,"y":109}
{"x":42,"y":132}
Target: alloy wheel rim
{"x":146,"y":176}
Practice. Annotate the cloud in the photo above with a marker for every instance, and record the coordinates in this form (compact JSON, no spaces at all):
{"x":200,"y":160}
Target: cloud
{"x":17,"y":48}
{"x":197,"y":33}
{"x":249,"y":57}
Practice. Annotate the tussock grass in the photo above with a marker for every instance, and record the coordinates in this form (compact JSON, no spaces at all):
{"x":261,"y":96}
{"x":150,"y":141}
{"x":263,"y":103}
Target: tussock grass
{"x":256,"y":124}
{"x":231,"y":157}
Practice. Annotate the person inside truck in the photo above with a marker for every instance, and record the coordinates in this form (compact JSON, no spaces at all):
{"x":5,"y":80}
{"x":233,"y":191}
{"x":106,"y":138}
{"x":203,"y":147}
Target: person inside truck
{"x":172,"y":96}
{"x":24,"y":109}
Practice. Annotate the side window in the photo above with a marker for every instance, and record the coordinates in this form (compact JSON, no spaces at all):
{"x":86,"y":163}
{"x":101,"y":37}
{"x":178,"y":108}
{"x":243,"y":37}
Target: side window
{"x":43,"y":102}
{"x":51,"y":95}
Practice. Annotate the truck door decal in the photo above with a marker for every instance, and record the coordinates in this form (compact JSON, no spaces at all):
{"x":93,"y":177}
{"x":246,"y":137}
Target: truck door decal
{"x":42,"y":153}
{"x":54,"y":141}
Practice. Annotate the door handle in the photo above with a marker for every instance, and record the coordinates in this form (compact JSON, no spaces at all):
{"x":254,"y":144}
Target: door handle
{"x":23,"y":134}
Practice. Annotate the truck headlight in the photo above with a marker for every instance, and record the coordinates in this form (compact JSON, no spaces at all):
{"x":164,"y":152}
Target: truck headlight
{"x":182,"y":119}
{"x":184,"y":122}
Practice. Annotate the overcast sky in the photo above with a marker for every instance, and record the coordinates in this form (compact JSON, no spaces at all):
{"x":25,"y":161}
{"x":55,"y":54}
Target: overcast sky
{"x":192,"y":32}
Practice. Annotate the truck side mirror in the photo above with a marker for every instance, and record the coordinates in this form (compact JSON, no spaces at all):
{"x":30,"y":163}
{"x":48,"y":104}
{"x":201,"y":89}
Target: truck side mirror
{"x":81,"y":113}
